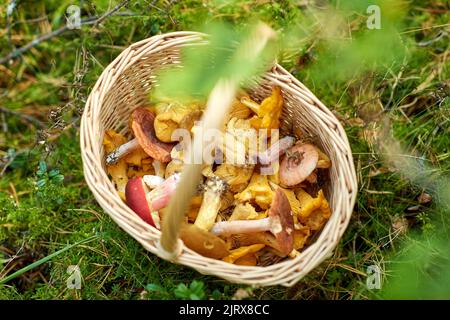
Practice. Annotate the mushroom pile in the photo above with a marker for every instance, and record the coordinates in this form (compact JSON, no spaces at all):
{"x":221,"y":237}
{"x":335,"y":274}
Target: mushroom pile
{"x":257,"y":212}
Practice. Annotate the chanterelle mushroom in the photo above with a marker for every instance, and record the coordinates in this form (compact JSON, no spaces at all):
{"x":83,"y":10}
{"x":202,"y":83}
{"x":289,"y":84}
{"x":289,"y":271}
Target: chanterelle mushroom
{"x":239,"y":110}
{"x":207,"y":214}
{"x":135,"y":157}
{"x":258,"y":190}
{"x":236,"y":177}
{"x":243,"y":212}
{"x":268,"y":113}
{"x":118,"y":170}
{"x":324,"y":161}
{"x":142,"y":124}
{"x":166,"y":123}
{"x":266,"y":238}
{"x":280,"y":223}
{"x":314,"y":211}
{"x":242,"y":251}
{"x":174,"y":166}
{"x":298,"y":163}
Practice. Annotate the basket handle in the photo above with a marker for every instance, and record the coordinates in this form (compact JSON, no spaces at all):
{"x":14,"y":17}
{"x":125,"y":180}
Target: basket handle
{"x":217,"y":107}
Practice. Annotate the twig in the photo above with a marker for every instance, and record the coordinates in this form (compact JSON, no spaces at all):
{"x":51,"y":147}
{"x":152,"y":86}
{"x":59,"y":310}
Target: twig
{"x":4,"y":123}
{"x":6,"y":165}
{"x":25,"y":117}
{"x":111,"y":12}
{"x":152,"y":5}
{"x":88,"y":21}
{"x":17,"y":52}
{"x":432,"y":10}
{"x":34,"y":20}
{"x":426,"y":28}
{"x":439,"y":36}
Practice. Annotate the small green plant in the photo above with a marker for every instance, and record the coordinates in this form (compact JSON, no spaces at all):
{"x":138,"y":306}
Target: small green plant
{"x":426,"y":222}
{"x":195,"y":291}
{"x":157,"y":291}
{"x":48,"y":183}
{"x":45,"y":176}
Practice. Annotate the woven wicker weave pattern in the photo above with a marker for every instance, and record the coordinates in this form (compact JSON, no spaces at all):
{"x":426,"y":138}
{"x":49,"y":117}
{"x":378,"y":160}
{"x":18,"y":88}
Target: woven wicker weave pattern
{"x":125,"y":84}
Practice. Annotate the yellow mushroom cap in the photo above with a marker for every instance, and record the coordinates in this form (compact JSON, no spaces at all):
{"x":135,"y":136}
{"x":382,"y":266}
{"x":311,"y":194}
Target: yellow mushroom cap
{"x":242,"y":251}
{"x":315,"y":211}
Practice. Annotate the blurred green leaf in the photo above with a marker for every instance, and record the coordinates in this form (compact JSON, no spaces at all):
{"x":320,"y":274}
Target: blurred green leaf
{"x":197,"y":288}
{"x":154,"y":287}
{"x":195,"y":291}
{"x":181,"y":291}
{"x":41,"y":183}
{"x":42,"y":166}
{"x":206,"y":63}
{"x":421,"y":271}
{"x":216,"y":294}
{"x":52,"y":173}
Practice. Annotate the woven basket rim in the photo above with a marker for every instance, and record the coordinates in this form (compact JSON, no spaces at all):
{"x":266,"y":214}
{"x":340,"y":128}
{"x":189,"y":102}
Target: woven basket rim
{"x":107,"y":197}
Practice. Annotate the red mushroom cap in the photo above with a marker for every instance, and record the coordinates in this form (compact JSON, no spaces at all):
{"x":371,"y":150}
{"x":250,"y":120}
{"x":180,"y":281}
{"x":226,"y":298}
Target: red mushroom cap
{"x":142,"y":123}
{"x":136,"y":198}
{"x":280,"y":211}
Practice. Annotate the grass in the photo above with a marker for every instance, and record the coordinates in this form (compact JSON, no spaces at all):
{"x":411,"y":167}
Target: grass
{"x":42,"y":213}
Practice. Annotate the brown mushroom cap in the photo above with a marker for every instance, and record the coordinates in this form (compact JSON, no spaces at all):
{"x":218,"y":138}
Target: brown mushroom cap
{"x":203,"y":242}
{"x":298,"y":163}
{"x":280,"y":211}
{"x":142,"y":121}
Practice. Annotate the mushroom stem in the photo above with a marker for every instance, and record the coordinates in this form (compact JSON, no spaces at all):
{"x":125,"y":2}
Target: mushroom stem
{"x":152,"y":181}
{"x":121,"y":151}
{"x":276,"y":150}
{"x":279,"y":222}
{"x":159,"y":197}
{"x":207,"y":214}
{"x":159,"y":168}
{"x":243,"y":226}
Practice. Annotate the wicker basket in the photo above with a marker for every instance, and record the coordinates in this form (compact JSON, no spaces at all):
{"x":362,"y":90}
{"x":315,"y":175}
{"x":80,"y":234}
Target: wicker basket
{"x":125,"y":84}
